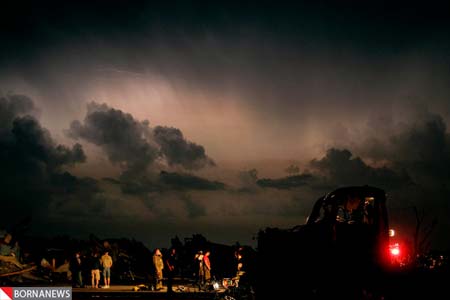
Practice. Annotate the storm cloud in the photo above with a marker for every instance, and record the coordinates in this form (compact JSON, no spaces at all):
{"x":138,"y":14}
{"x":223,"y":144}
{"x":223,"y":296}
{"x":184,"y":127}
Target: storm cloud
{"x":166,"y":181}
{"x":33,"y":164}
{"x":178,"y":151}
{"x":256,"y":86}
{"x":134,"y":145}
{"x":187,"y":181}
{"x":286,"y":182}
{"x":13,"y":106}
{"x":126,"y":141}
{"x":340,"y":168}
{"x":420,"y":145}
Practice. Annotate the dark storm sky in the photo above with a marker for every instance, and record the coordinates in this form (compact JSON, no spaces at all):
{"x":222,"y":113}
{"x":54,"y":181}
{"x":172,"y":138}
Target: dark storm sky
{"x":143,"y":119}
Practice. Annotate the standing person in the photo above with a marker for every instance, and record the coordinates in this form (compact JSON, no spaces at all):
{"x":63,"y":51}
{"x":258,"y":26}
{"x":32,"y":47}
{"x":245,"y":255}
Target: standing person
{"x":76,"y":267}
{"x":107,"y":263}
{"x":201,"y":271}
{"x":158,"y":264}
{"x":95,"y":270}
{"x":171,"y":264}
{"x":207,"y":267}
{"x":350,"y":211}
{"x":239,"y":264}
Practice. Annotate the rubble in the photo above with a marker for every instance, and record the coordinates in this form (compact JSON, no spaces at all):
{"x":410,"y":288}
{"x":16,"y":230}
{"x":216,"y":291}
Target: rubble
{"x":9,"y":260}
{"x":38,"y":260}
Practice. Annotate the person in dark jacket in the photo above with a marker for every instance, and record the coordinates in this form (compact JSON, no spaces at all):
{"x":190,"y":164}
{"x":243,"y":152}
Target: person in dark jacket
{"x":171,"y":265}
{"x":95,"y":270}
{"x":76,"y":267}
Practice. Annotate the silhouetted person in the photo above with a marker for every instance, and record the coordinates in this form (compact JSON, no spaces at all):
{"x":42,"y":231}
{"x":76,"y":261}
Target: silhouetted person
{"x":349,"y":212}
{"x":76,"y":267}
{"x":171,"y":264}
{"x":8,"y":247}
{"x":201,"y":271}
{"x":239,"y":260}
{"x":95,"y":270}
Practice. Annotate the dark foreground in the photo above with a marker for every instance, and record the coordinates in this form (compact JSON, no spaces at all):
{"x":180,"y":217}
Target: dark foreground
{"x":404,"y":284}
{"x":418,"y":284}
{"x":423,"y":284}
{"x":130,"y":292}
{"x":397,"y":285}
{"x":182,"y":289}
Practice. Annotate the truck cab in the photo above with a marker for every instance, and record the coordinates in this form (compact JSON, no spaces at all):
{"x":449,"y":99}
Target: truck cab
{"x":344,"y":244}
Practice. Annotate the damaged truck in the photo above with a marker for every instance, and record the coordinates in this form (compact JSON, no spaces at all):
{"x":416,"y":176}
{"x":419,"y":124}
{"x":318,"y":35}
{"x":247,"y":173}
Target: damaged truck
{"x":340,"y":253}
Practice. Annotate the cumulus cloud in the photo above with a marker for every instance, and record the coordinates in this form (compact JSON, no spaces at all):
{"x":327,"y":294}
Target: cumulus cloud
{"x":340,"y":168}
{"x":125,"y":140}
{"x":12,"y":106}
{"x":133,"y":144}
{"x":33,"y":164}
{"x":178,"y":151}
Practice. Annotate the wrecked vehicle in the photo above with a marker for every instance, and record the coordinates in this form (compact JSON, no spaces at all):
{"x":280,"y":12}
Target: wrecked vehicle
{"x":10,"y":264}
{"x":341,"y":251}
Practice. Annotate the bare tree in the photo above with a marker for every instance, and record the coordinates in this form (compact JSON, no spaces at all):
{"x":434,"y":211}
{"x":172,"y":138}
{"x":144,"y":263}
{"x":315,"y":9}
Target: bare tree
{"x":422,"y":234}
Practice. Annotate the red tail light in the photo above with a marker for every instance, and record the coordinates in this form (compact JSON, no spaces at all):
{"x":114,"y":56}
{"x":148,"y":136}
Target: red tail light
{"x":394,"y":249}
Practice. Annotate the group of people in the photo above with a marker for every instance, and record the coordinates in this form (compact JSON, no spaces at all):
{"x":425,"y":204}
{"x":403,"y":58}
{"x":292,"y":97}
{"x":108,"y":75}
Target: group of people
{"x":169,"y":264}
{"x":204,"y":266}
{"x":162,"y":265}
{"x":95,"y":264}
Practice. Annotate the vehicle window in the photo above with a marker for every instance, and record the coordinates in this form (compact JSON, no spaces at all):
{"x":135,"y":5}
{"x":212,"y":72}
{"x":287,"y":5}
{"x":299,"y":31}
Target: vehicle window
{"x":325,"y":211}
{"x":350,"y":210}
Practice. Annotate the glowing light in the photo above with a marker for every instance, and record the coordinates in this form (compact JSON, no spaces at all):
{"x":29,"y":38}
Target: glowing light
{"x":391,"y":232}
{"x":395,"y":250}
